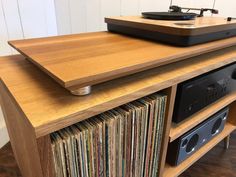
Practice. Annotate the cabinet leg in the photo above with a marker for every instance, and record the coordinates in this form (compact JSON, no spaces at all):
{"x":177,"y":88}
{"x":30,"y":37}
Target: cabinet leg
{"x":226,"y":142}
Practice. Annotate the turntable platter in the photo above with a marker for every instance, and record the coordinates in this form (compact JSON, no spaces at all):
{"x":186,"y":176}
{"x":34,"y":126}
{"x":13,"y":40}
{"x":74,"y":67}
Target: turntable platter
{"x":169,"y":15}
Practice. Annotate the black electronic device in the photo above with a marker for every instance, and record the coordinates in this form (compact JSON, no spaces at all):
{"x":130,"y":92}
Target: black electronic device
{"x":199,"y":92}
{"x":169,"y":15}
{"x":178,"y":26}
{"x":190,"y":142}
{"x":176,"y":13}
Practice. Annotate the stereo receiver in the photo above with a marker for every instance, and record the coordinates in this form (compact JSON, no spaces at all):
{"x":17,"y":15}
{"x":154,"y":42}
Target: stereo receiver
{"x":199,"y":92}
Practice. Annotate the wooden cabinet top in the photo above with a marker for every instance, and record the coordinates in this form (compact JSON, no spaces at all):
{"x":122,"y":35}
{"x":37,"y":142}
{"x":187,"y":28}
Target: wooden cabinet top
{"x":49,"y":107}
{"x":80,"y":60}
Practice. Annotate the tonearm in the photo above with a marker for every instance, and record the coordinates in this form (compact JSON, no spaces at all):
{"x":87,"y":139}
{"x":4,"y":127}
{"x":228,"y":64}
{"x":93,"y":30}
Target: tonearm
{"x":202,"y":10}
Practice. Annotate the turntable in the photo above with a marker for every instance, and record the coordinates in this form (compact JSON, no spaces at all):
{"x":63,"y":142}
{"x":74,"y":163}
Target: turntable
{"x":175,"y":27}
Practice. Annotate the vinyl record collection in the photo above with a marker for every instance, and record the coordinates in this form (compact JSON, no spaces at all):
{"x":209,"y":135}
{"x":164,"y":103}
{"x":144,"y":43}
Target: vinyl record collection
{"x":122,"y":142}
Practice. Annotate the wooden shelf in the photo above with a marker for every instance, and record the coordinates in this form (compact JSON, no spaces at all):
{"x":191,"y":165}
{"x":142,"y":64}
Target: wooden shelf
{"x":179,"y":129}
{"x":170,"y":171}
{"x":36,"y":94}
{"x":81,"y":60}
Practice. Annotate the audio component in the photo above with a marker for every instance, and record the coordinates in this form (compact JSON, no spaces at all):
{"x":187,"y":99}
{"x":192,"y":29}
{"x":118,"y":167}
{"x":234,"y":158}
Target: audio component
{"x":197,"y":93}
{"x":189,"y":143}
{"x":176,"y":13}
{"x":178,"y":26}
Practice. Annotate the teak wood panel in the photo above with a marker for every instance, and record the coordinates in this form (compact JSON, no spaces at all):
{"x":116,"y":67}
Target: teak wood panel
{"x":46,"y":156}
{"x":22,"y":136}
{"x":179,"y":129}
{"x":37,"y":94}
{"x":232,"y":113}
{"x":174,"y":171}
{"x":198,"y":26}
{"x":80,"y":60}
{"x":171,"y":93}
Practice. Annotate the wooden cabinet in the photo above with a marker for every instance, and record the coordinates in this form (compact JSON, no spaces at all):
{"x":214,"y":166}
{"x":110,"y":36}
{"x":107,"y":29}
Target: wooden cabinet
{"x":34,"y":106}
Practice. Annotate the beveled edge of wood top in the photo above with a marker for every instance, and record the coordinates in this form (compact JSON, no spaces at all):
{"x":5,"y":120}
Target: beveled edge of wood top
{"x":90,"y":80}
{"x":152,"y":25}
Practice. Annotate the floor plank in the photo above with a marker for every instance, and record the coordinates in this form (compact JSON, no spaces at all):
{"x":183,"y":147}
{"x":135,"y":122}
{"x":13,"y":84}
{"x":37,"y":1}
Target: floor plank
{"x":8,"y":165}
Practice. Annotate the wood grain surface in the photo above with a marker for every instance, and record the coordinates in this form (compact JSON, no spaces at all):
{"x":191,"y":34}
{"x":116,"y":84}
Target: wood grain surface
{"x":171,"y":93}
{"x":232,"y":113}
{"x":199,"y":26}
{"x":80,"y":60}
{"x":46,"y":156}
{"x":49,"y":107}
{"x":22,"y":136}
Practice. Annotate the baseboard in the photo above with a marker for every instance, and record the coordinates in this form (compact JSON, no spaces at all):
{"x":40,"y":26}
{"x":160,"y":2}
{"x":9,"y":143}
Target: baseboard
{"x":4,"y":138}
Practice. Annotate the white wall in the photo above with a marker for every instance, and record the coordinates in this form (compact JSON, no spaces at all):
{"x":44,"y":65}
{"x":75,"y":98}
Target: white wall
{"x":76,"y":16}
{"x":25,"y":19}
{"x":194,"y":3}
{"x":37,"y":18}
{"x":226,"y":8}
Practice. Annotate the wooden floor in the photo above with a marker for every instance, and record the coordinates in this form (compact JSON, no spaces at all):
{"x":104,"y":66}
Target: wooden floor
{"x":217,"y":163}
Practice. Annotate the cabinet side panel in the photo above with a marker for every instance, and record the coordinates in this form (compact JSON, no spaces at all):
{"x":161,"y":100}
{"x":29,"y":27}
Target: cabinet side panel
{"x":46,"y":156}
{"x":232,"y":113}
{"x":171,"y":92}
{"x":22,"y":136}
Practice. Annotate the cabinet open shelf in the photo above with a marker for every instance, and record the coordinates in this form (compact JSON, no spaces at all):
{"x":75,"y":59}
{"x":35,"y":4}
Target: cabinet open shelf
{"x":172,"y":171}
{"x":179,"y":129}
